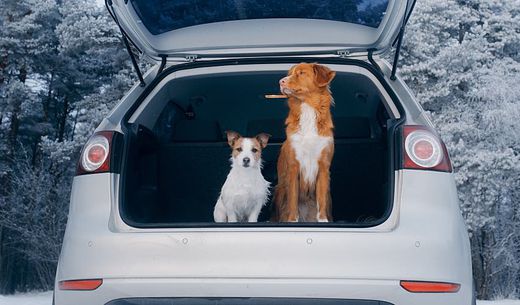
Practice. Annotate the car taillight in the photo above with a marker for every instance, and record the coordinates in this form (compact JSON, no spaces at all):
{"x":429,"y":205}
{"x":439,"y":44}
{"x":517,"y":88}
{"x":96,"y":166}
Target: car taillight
{"x":95,"y":156}
{"x":80,"y":284}
{"x":423,"y":149}
{"x":429,"y":287}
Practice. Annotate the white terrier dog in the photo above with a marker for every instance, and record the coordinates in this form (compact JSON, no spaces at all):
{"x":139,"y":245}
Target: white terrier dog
{"x":245,"y":191}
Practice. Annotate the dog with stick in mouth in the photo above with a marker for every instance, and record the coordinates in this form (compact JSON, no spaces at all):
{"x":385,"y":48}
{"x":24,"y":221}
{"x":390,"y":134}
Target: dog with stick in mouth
{"x":303,"y":190}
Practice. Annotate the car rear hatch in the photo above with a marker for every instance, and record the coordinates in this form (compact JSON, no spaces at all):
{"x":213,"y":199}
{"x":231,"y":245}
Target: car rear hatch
{"x":233,"y":28}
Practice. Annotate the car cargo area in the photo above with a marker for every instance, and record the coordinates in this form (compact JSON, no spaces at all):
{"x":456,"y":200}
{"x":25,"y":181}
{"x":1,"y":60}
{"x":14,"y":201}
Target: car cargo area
{"x":177,"y":157}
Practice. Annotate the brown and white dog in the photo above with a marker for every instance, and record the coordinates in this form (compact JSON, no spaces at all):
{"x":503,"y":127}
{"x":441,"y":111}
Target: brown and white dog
{"x":303,"y":190}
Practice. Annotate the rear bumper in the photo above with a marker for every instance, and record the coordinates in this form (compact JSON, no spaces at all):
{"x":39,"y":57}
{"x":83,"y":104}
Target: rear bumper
{"x":241,"y":301}
{"x":429,"y":243}
{"x":257,"y":291}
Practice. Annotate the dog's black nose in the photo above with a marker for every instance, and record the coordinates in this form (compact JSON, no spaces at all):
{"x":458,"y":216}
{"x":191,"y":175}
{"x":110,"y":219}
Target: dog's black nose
{"x":246,"y":161}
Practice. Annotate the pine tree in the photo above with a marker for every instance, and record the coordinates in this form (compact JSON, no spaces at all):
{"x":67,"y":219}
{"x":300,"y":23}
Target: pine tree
{"x":461,"y":58}
{"x":62,"y":67}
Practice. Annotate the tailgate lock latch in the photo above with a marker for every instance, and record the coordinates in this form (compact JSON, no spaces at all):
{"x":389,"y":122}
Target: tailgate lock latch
{"x":191,"y":57}
{"x":343,"y":53}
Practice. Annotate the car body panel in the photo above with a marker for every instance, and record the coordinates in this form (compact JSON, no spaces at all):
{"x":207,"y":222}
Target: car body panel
{"x":430,"y":243}
{"x":424,"y":239}
{"x":263,"y":36}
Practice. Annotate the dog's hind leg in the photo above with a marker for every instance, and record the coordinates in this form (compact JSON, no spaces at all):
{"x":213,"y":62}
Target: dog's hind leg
{"x":278,"y":202}
{"x":286,"y":192}
{"x":292,"y":195}
{"x":280,"y":191}
{"x":323,"y":197}
{"x":219,"y":214}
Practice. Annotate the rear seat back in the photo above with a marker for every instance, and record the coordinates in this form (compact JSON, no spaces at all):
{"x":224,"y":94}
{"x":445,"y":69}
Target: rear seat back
{"x":344,"y":128}
{"x":196,"y":131}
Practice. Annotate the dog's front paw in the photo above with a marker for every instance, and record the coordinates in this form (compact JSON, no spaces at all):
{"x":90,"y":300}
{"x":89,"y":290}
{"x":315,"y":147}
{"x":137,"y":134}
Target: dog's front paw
{"x":293,"y":219}
{"x":323,"y":220}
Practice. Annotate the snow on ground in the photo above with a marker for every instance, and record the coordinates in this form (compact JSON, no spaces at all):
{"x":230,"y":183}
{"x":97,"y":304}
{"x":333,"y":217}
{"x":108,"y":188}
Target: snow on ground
{"x":34,"y":298}
{"x":45,"y":298}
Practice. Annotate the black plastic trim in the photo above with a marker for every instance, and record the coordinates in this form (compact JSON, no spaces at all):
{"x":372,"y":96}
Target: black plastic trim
{"x":163,"y":63}
{"x":372,"y":61}
{"x":270,"y":60}
{"x":333,"y":51}
{"x":242,"y":301}
{"x":116,"y":154}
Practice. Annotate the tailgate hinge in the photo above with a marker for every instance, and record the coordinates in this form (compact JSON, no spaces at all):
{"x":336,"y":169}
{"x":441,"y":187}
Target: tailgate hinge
{"x":343,"y":53}
{"x":191,"y":57}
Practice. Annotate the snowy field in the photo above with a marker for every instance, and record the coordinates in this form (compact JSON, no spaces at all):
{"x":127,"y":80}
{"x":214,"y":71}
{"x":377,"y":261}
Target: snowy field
{"x":42,"y":298}
{"x":45,"y":298}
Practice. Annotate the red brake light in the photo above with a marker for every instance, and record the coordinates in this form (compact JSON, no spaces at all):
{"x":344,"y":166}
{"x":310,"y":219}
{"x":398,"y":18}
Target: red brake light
{"x":80,"y":284}
{"x":95,"y":157}
{"x":423,"y":149}
{"x":429,"y":287}
{"x":97,"y":154}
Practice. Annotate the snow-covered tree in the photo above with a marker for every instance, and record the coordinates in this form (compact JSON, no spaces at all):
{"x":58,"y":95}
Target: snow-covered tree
{"x":62,"y":67}
{"x":462,"y":60}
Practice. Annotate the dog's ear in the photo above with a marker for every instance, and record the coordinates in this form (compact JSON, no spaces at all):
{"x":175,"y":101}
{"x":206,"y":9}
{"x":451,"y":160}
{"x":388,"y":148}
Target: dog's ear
{"x":323,"y":75}
{"x":232,"y":136}
{"x":263,"y":138}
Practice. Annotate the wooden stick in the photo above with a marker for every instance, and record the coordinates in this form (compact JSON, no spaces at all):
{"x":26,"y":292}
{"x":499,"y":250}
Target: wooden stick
{"x":275,"y":96}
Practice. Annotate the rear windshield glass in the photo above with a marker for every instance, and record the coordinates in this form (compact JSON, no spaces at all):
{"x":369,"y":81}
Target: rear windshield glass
{"x":161,"y":16}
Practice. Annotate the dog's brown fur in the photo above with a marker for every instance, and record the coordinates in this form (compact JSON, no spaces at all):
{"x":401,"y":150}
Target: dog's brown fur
{"x":295,"y":199}
{"x":235,"y":142}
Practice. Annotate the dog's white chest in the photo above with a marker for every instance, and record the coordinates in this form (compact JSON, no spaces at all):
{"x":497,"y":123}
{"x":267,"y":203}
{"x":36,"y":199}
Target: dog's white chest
{"x":308,"y":144}
{"x":243,"y":192}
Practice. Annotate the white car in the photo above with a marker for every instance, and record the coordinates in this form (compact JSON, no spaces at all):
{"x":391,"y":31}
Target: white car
{"x":140,"y":227}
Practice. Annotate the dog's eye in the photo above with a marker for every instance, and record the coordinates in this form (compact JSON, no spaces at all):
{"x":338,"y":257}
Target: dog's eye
{"x":254,"y":150}
{"x":239,"y":149}
{"x":301,"y":72}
